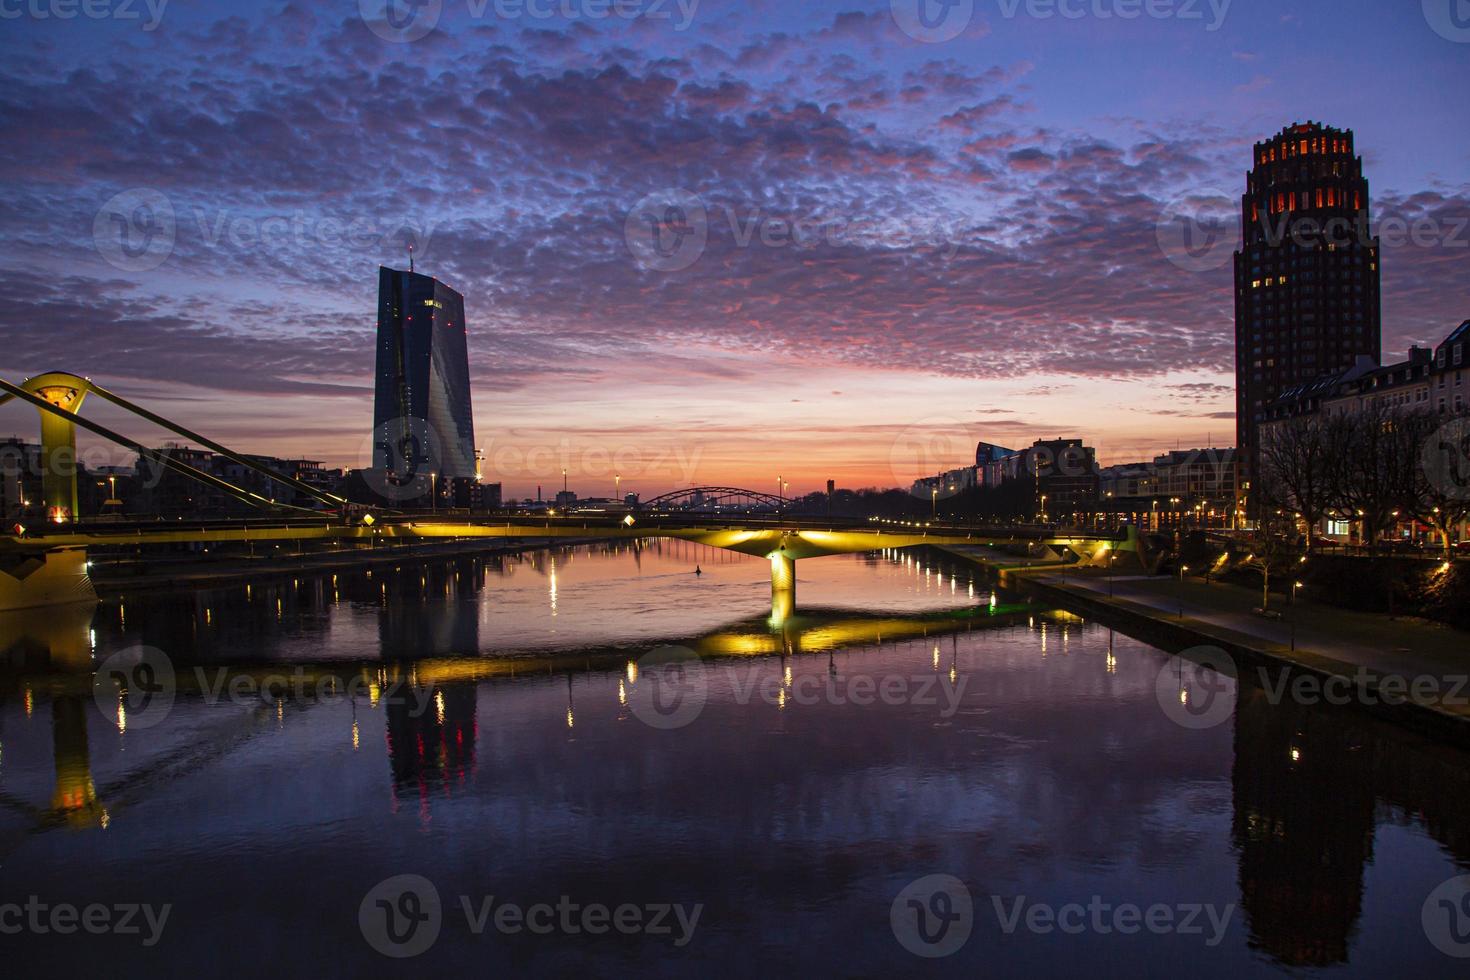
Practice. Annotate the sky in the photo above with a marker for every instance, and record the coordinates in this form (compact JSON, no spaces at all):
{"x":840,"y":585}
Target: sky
{"x":888,"y":231}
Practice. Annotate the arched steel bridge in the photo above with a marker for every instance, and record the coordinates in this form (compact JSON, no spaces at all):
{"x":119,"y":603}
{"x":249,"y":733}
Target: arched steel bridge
{"x":717,"y":500}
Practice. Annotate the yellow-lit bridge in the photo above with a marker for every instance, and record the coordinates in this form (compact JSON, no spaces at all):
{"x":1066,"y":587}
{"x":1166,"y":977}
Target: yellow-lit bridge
{"x":48,"y":565}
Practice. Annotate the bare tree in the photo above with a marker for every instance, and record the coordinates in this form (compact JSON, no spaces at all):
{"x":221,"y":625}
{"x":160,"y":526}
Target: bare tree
{"x":1441,"y":491}
{"x":1296,"y":468}
{"x":1372,"y":466}
{"x":1273,"y":553}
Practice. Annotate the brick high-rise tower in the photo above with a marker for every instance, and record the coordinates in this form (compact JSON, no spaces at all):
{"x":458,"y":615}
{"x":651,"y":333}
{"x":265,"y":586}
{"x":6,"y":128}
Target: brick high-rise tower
{"x":1306,"y":277}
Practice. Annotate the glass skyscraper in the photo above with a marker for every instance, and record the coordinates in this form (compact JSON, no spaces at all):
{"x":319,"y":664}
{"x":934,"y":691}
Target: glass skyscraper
{"x":422,"y":422}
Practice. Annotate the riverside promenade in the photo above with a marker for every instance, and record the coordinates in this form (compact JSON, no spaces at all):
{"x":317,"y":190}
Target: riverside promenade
{"x":1411,"y":670}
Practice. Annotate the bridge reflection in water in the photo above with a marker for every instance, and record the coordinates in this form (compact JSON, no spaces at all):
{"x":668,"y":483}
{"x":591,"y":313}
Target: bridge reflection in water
{"x":1312,"y":787}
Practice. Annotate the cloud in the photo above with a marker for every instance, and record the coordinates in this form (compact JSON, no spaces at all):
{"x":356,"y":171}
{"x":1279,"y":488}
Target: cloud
{"x":947,"y":233}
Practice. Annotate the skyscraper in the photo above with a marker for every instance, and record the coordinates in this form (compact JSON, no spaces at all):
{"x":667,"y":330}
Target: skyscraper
{"x":421,"y":414}
{"x":1306,"y":277}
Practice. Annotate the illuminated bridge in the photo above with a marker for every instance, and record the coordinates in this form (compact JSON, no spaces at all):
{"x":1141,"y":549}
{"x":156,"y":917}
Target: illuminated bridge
{"x":48,"y":565}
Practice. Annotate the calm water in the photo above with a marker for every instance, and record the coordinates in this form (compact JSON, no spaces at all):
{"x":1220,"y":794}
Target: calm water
{"x":506,"y":736}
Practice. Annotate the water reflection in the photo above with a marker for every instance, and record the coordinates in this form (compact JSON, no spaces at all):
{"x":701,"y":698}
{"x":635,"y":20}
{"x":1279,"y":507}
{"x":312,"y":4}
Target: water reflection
{"x":529,"y":766}
{"x":431,"y":741}
{"x":1311,"y":787}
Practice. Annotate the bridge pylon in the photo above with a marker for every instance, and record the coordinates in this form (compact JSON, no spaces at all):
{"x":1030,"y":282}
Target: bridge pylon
{"x":59,"y":442}
{"x":783,"y":573}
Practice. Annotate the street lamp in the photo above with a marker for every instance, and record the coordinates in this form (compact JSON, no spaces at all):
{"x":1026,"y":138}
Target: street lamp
{"x":617,"y":487}
{"x":1182,"y":570}
{"x":1294,"y":587}
{"x":933,"y":501}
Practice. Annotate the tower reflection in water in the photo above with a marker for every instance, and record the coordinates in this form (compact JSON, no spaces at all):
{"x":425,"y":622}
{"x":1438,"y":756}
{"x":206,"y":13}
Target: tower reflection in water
{"x":431,"y":742}
{"x":1311,"y":785}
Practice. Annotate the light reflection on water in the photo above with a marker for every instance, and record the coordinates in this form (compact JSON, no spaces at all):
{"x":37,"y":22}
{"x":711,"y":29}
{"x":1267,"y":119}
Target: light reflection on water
{"x":495,"y":756}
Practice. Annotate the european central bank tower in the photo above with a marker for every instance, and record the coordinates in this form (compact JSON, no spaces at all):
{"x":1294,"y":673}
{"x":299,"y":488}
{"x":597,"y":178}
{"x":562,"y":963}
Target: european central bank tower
{"x":423,"y":384}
